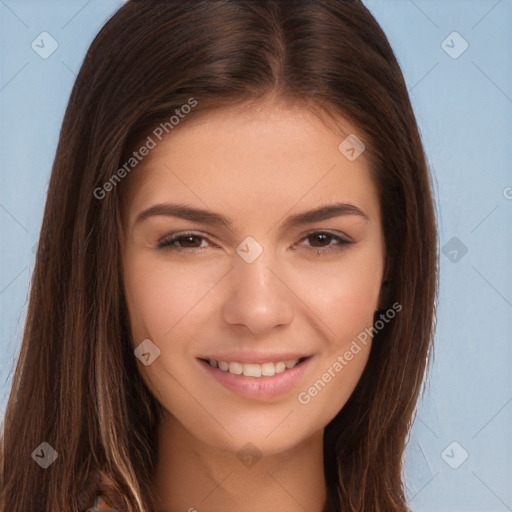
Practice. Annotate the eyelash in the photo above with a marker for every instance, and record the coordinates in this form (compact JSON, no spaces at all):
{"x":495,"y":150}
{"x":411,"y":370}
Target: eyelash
{"x":166,"y":243}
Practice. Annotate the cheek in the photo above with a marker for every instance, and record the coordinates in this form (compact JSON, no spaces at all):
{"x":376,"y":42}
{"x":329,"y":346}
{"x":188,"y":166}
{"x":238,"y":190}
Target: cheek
{"x":162,"y":296}
{"x":330,"y":388}
{"x":345,"y":303}
{"x":343,"y":295}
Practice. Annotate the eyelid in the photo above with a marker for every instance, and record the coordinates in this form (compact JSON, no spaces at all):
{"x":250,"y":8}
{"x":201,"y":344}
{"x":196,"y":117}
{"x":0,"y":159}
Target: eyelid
{"x":172,"y":237}
{"x":342,"y":239}
{"x":333,"y":232}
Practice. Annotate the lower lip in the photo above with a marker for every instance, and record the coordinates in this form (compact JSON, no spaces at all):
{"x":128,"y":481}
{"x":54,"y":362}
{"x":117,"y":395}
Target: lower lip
{"x":259,"y":387}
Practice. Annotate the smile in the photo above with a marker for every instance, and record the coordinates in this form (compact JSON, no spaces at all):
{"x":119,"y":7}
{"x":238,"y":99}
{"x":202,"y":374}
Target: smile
{"x":254,"y":369}
{"x":257,"y":381}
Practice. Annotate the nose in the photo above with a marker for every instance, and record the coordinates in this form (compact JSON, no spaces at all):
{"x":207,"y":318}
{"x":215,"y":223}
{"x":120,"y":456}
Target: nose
{"x":258,"y":297}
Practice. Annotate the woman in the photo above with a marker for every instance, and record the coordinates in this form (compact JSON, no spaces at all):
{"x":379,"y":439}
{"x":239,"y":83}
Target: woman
{"x":233,"y":300}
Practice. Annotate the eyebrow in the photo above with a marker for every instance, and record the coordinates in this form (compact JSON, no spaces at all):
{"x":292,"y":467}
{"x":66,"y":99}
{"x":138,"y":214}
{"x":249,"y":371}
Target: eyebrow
{"x":187,"y":212}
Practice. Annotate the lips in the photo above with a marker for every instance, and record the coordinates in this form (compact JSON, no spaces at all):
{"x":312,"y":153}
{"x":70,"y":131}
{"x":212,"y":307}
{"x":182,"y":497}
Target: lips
{"x":262,"y":387}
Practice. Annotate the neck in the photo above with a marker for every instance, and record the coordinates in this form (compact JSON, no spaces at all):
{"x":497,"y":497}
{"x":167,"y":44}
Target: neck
{"x":194,"y":476}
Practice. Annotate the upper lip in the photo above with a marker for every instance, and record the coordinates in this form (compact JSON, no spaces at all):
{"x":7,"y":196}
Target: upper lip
{"x":256,"y":357}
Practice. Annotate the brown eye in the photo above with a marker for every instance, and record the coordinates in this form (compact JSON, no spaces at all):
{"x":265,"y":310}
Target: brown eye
{"x":325,"y":243}
{"x":182,"y":241}
{"x":320,"y":239}
{"x":189,"y":241}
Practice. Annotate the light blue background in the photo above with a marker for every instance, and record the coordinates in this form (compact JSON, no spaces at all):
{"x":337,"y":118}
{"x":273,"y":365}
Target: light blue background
{"x":464,"y":108}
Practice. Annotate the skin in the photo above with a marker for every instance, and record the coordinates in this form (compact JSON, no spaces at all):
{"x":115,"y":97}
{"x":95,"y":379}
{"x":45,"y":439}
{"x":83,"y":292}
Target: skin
{"x":257,"y":165}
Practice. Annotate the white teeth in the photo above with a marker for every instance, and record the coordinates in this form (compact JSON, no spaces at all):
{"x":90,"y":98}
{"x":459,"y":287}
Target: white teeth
{"x":254,"y":369}
{"x":280,"y":367}
{"x":268,"y":369}
{"x":236,"y":368}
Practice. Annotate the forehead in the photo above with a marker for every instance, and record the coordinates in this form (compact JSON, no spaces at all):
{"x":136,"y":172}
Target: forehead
{"x":263,"y":158}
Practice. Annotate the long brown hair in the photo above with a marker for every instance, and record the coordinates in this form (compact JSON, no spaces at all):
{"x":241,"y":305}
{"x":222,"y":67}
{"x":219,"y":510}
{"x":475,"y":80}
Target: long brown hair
{"x":76,"y":385}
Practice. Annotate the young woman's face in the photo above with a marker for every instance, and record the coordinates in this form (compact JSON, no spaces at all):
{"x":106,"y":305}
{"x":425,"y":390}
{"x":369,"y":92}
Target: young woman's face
{"x":224,"y":260}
